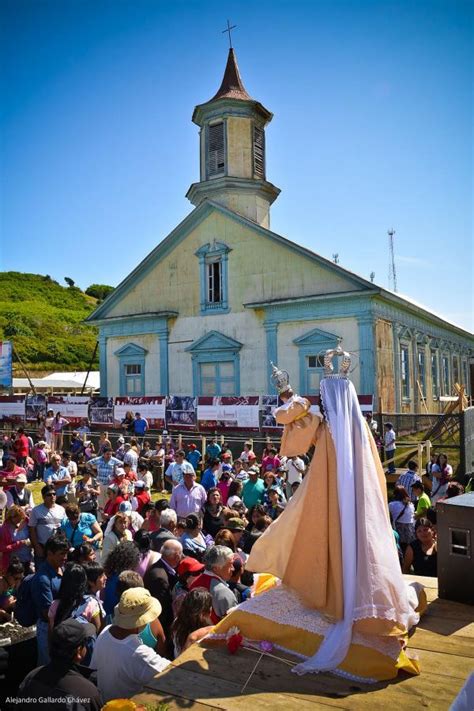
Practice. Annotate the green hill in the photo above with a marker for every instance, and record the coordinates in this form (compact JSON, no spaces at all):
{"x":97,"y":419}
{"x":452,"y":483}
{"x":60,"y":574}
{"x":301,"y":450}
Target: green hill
{"x":44,"y":321}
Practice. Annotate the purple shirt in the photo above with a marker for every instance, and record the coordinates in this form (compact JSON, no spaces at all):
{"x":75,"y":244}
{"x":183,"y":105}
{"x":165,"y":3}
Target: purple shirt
{"x":186,"y":501}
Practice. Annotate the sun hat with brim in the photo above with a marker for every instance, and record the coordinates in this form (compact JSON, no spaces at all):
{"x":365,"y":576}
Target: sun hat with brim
{"x":136,"y":609}
{"x":21,"y":479}
{"x":119,"y":471}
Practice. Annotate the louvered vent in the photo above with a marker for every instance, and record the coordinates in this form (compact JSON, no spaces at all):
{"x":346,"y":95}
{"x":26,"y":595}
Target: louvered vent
{"x":258,"y":152}
{"x":216,"y":162}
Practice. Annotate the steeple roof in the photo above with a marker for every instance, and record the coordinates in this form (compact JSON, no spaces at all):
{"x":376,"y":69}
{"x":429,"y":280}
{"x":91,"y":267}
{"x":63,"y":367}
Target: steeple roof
{"x":232,"y":86}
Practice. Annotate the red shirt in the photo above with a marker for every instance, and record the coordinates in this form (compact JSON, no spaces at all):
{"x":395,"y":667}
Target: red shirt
{"x":142,"y":498}
{"x":111,"y":507}
{"x":21,"y":446}
{"x":10,"y":476}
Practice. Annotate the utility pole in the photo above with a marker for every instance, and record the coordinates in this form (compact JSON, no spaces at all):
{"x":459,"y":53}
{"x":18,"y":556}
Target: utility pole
{"x":392,"y":272}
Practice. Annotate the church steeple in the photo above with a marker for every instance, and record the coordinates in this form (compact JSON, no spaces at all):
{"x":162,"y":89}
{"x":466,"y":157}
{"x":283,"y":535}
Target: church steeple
{"x":232,"y":86}
{"x":232,"y":150}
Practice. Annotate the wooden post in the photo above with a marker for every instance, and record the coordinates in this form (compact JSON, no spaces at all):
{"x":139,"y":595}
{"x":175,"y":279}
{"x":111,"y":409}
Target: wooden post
{"x":90,"y":367}
{"x":203,"y":447}
{"x":428,"y":450}
{"x":180,"y":441}
{"x":420,"y":457}
{"x":15,"y":352}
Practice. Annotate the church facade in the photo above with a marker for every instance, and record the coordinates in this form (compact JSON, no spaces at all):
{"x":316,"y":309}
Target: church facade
{"x":222,"y":295}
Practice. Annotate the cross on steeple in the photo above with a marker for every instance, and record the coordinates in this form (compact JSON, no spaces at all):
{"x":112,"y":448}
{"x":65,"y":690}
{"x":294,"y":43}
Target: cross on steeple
{"x":229,"y":28}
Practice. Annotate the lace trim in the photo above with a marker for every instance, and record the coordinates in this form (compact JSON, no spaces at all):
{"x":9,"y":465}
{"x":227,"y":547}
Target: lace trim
{"x":368,"y":611}
{"x":285,"y":607}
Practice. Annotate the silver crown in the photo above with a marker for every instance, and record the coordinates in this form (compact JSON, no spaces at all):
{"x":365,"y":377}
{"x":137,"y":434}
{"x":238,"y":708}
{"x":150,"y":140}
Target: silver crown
{"x":280,"y":378}
{"x":344,"y":366}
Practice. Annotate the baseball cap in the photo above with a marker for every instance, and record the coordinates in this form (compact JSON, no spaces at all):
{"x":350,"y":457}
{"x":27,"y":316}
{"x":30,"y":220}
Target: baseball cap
{"x":226,"y":468}
{"x":69,"y":635}
{"x":226,"y":455}
{"x":136,"y":608}
{"x":22,"y":479}
{"x":235,"y":524}
{"x":125,"y":507}
{"x":192,"y":445}
{"x":190,"y":565}
{"x":121,"y":440}
{"x":139,"y":484}
{"x":119,"y":471}
{"x":252,"y":456}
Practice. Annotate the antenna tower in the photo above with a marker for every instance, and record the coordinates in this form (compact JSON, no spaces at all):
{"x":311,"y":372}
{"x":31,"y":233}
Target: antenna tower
{"x":335,"y":258}
{"x":392,"y":272}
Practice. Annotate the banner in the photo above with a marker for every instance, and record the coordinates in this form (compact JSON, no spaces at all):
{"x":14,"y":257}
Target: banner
{"x":5,"y":364}
{"x":35,"y":406}
{"x":181,"y":412}
{"x":12,"y":408}
{"x":73,"y":408}
{"x":268,"y":405}
{"x":153,"y":409}
{"x":228,"y":412}
{"x":101,"y":411}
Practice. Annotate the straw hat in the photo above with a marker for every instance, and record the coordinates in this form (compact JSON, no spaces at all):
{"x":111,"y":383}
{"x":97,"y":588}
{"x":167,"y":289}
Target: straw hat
{"x":136,"y":608}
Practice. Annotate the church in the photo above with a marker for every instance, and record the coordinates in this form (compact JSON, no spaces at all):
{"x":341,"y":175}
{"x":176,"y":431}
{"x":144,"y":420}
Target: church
{"x":223,"y":295}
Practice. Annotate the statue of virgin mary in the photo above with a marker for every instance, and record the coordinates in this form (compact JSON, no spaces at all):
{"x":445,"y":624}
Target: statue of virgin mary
{"x":342,"y":605}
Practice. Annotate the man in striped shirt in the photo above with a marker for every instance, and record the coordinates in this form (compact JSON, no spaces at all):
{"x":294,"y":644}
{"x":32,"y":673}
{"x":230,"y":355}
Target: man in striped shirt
{"x":105,"y":465}
{"x":408,"y":479}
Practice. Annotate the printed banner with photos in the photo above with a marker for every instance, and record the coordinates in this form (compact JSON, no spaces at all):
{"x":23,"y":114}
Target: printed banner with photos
{"x":12,"y":408}
{"x":228,"y":412}
{"x":153,"y":409}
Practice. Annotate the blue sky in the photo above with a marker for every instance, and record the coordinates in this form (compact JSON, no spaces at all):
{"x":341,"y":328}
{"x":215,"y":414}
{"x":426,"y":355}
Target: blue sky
{"x":372,"y":130}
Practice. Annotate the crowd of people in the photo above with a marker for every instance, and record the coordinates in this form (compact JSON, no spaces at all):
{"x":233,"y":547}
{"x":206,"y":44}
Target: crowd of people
{"x":106,"y":573}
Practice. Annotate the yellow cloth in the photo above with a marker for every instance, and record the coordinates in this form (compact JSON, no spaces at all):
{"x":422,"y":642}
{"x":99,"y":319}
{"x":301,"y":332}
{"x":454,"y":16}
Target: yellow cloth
{"x":303,"y":546}
{"x":361,"y":661}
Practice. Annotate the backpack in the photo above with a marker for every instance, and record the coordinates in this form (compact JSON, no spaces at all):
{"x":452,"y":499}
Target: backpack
{"x":25,"y":610}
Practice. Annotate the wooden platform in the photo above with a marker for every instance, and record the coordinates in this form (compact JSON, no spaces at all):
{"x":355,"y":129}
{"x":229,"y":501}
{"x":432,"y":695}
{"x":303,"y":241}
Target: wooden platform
{"x":207,"y":677}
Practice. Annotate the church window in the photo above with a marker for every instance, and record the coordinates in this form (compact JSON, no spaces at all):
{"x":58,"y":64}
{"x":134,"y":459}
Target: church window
{"x":217,"y":378}
{"x":216,"y":149}
{"x":434,"y":374}
{"x":214,"y":282}
{"x":131,"y":359}
{"x":314,"y":373}
{"x":445,"y":374}
{"x":258,"y":152}
{"x":464,"y":376}
{"x":133,"y":378}
{"x":456,"y":369}
{"x":405,"y":371}
{"x":422,"y":372}
{"x":216,"y":365}
{"x":213,"y":261}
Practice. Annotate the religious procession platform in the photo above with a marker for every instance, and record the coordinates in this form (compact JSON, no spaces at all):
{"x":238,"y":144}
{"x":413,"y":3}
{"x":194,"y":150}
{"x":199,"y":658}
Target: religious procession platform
{"x":207,"y":677}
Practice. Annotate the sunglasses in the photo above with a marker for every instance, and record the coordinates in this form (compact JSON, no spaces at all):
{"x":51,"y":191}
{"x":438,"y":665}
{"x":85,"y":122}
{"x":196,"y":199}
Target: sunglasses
{"x":52,"y":494}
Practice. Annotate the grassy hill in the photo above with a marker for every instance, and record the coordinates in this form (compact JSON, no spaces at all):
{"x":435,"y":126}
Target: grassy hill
{"x":44,"y":321}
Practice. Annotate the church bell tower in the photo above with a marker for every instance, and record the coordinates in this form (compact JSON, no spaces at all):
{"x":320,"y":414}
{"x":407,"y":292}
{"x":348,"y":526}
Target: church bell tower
{"x":232,"y":150}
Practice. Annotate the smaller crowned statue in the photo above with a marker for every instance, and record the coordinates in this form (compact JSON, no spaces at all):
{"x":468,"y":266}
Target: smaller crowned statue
{"x":300,"y":424}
